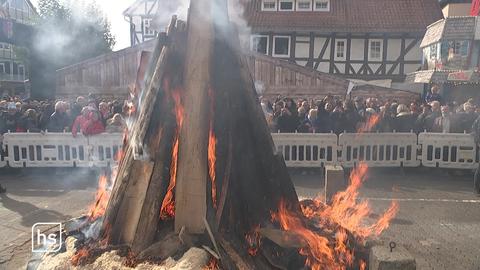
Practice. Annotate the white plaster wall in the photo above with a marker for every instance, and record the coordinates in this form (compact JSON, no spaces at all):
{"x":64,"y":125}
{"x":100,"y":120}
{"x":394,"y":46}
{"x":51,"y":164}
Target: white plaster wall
{"x":303,"y":38}
{"x":302,"y":49}
{"x":319,"y":41}
{"x":357,"y":49}
{"x":409,"y":68}
{"x":324,"y":67}
{"x":394,"y":48}
{"x":415,"y":54}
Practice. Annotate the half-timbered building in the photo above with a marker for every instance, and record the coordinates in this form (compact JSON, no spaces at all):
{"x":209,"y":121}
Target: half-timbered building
{"x":141,"y":15}
{"x":358,"y":39}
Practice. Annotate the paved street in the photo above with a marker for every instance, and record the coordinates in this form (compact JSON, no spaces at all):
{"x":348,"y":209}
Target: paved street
{"x":438,"y":221}
{"x":39,"y":195}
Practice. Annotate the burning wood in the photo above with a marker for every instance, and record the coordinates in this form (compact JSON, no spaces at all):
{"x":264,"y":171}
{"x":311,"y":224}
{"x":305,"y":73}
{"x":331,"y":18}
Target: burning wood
{"x":200,"y":120}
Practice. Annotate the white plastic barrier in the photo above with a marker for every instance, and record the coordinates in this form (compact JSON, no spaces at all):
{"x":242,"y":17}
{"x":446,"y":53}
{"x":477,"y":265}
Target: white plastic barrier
{"x":307,"y":150}
{"x":45,"y":150}
{"x":379,"y":149}
{"x":104,"y":148}
{"x":448,"y":150}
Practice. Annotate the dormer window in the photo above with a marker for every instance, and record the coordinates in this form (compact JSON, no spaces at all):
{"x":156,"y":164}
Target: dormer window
{"x":322,"y":5}
{"x":286,"y":5}
{"x":304,"y":5}
{"x":269,"y":5}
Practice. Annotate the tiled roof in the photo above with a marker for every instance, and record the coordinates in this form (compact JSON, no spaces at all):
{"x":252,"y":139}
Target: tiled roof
{"x":370,"y":16}
{"x":451,"y":28}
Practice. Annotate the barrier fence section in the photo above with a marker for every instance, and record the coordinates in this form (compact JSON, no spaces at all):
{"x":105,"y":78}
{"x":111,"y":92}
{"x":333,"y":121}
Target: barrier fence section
{"x":379,"y":149}
{"x":454,"y":151}
{"x":60,"y":149}
{"x":307,"y":150}
{"x":447,"y":150}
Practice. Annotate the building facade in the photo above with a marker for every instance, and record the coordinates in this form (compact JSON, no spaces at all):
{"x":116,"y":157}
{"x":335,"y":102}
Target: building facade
{"x":16,"y":19}
{"x":367,"y":40}
{"x":141,"y":18}
{"x":451,"y":53}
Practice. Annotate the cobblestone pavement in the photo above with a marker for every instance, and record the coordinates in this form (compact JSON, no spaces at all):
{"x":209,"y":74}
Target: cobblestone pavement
{"x":438,"y":221}
{"x":439,"y":217}
{"x":40,"y":195}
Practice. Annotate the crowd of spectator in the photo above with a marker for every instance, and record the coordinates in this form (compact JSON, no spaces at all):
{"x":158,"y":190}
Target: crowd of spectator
{"x":332,"y":114}
{"x":86,"y":115}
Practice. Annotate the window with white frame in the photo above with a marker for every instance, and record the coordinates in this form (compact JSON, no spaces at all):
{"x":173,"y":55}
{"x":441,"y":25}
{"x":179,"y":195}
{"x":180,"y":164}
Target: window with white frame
{"x":304,"y":5}
{"x":322,"y":5}
{"x":285,"y":5}
{"x":147,"y":27}
{"x":260,"y":44}
{"x":2,"y":68}
{"x":340,"y":49}
{"x":269,"y":5}
{"x":281,"y":46}
{"x":376,"y":49}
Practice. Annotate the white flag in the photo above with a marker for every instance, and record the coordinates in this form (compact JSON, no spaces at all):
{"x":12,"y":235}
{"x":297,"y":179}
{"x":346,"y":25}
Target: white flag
{"x":350,"y":87}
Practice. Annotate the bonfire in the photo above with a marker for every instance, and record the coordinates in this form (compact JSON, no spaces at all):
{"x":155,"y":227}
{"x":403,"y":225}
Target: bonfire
{"x":199,"y":183}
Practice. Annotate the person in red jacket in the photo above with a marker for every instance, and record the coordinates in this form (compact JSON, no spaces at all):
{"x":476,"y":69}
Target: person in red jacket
{"x":89,"y":123}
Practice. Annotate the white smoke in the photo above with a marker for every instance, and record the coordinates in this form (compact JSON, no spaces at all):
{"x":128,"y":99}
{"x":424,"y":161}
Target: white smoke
{"x":236,"y":10}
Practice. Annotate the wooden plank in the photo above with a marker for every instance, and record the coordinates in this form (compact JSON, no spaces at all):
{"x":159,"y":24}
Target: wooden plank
{"x":131,"y":206}
{"x":192,"y":173}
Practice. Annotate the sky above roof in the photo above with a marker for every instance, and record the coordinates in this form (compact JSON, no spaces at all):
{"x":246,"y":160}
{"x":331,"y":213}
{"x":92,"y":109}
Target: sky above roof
{"x":113,"y":10}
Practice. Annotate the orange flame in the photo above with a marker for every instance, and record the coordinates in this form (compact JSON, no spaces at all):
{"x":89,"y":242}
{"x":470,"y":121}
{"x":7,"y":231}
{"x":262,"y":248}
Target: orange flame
{"x":371,"y":122}
{"x":168,"y":205}
{"x":82,"y":253}
{"x":212,"y":264}
{"x":98,"y":208}
{"x":363,"y":265}
{"x":345,"y":213}
{"x":212,"y":145}
{"x":253,"y":241}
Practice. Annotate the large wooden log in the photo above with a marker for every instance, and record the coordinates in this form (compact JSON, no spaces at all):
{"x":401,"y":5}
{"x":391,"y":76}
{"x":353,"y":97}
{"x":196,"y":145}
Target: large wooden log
{"x":190,"y":194}
{"x":136,"y":135}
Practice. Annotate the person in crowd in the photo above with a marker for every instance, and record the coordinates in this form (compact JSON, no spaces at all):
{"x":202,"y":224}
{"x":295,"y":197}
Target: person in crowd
{"x":463,"y":121}
{"x":29,"y":121}
{"x":430,"y":119}
{"x":287,"y":122}
{"x":305,"y":125}
{"x":105,"y":112}
{"x":434,"y":95}
{"x":116,"y":124}
{"x":88,"y":123}
{"x":323,"y":123}
{"x":420,"y":122}
{"x":359,"y":106}
{"x":291,"y":107}
{"x":59,"y":120}
{"x":351,"y":118}
{"x":443,"y":123}
{"x":10,"y":120}
{"x":46,"y":111}
{"x":404,"y":120}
